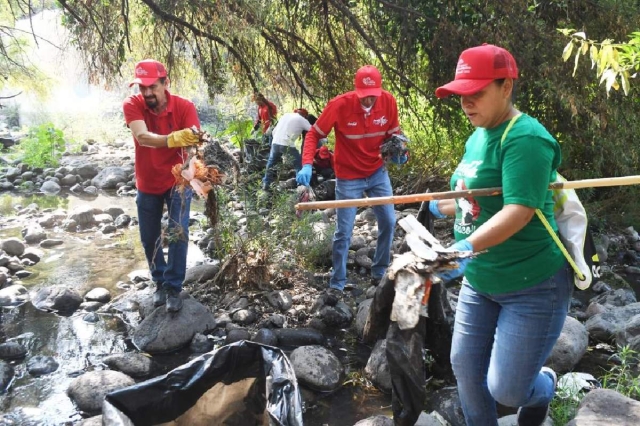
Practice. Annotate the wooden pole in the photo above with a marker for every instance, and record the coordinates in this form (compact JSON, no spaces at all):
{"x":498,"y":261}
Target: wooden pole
{"x":484,"y":192}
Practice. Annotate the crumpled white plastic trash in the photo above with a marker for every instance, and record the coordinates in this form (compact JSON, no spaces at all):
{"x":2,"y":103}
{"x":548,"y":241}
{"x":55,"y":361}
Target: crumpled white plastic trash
{"x":571,"y":384}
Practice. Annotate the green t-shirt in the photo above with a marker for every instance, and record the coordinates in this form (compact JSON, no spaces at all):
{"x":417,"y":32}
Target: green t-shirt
{"x":523,"y":165}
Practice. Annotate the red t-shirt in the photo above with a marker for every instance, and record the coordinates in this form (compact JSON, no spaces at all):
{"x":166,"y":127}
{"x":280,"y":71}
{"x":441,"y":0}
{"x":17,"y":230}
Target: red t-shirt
{"x":265,"y":116}
{"x":153,"y":165}
{"x":358,"y":135}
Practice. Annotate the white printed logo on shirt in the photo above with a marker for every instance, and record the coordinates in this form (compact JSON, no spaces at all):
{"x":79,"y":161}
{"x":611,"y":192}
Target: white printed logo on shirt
{"x":380,"y":121}
{"x":352,"y":123}
{"x":468,"y":169}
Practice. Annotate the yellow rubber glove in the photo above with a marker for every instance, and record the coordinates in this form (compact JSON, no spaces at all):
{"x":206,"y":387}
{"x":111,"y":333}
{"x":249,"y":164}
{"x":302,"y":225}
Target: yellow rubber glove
{"x":184,"y":137}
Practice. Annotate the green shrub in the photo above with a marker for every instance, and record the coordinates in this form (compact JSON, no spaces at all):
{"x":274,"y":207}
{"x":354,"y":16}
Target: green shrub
{"x":238,"y":131}
{"x":43,"y":147}
{"x":623,"y":377}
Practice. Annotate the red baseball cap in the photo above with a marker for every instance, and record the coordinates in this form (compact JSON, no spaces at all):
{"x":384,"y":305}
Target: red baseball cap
{"x":368,"y":81}
{"x":323,"y":152}
{"x":303,"y":112}
{"x":477,"y":68}
{"x":147,"y":72}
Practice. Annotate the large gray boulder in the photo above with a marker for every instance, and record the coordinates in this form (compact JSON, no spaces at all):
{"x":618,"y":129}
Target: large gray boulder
{"x":377,"y":368}
{"x":131,"y":363}
{"x":13,"y":246}
{"x":59,"y":299}
{"x":570,"y":347}
{"x":603,"y":327}
{"x":607,"y":407}
{"x":163,"y":331}
{"x":201,"y":273}
{"x":317,"y":367}
{"x":110,"y":177}
{"x":88,"y":390}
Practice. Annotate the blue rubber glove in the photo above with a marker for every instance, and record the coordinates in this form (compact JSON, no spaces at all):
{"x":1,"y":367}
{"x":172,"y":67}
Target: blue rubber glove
{"x":304,"y":175}
{"x":450,"y":274}
{"x":435,"y":211}
{"x":400,"y":159}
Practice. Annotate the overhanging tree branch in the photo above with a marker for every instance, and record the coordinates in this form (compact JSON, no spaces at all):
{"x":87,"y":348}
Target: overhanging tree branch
{"x":196,"y":31}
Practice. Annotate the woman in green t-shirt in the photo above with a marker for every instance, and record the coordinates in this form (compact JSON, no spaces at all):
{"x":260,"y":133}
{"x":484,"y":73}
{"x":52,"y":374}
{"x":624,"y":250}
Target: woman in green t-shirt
{"x":516,"y":291}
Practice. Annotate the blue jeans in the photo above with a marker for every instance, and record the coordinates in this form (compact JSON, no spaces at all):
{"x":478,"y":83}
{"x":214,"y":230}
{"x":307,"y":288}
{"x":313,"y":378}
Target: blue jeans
{"x":376,"y":185}
{"x":275,"y":155}
{"x":501,"y":341}
{"x":169,"y":273}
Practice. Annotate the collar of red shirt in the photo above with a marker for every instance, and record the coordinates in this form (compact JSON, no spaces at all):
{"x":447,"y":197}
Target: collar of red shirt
{"x":357,"y":107}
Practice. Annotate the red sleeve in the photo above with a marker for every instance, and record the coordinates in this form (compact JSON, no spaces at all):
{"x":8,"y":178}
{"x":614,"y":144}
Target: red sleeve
{"x":320,"y":130}
{"x":310,"y":144}
{"x":132,"y":110}
{"x":394,"y":124}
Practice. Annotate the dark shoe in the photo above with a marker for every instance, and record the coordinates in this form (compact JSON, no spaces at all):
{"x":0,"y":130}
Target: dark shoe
{"x":329,"y":297}
{"x":160,"y":296}
{"x":535,"y":416}
{"x":174,"y":301}
{"x":333,"y":296}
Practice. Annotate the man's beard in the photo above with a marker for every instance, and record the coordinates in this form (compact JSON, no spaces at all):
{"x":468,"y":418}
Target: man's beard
{"x":151,"y":102}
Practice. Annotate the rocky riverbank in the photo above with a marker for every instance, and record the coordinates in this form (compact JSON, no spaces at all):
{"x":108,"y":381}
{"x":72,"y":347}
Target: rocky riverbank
{"x":266,"y":299}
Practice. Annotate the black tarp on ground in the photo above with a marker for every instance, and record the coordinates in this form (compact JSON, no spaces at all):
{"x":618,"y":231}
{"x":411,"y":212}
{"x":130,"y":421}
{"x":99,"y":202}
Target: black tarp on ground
{"x":243,"y":383}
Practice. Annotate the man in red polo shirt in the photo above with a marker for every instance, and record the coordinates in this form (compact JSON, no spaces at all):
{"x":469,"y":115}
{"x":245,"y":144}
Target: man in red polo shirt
{"x":362,"y":120}
{"x":161,"y":127}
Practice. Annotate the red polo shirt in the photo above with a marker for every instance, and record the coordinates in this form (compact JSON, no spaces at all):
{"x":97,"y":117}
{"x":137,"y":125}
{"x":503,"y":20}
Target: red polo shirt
{"x":358,"y":134}
{"x":153,"y":165}
{"x":265,"y":116}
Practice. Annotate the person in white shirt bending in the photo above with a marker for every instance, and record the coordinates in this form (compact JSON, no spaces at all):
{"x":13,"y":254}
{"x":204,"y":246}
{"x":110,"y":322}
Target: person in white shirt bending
{"x":289,"y":128}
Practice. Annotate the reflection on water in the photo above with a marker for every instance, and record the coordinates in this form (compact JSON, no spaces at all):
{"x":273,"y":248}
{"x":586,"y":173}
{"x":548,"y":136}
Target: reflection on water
{"x":76,"y":345}
{"x":86,"y":260}
{"x":347,"y":406}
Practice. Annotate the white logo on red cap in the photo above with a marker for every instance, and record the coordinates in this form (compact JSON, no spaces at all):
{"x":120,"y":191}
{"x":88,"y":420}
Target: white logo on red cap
{"x":141,"y":71}
{"x":368,"y":81}
{"x":463,"y":67}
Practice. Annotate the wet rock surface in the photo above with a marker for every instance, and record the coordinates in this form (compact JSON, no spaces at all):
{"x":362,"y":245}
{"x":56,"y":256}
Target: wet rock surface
{"x":88,"y":390}
{"x":40,"y":365}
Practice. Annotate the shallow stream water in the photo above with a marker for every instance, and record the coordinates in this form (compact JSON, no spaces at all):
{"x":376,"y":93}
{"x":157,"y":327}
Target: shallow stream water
{"x":85,"y":261}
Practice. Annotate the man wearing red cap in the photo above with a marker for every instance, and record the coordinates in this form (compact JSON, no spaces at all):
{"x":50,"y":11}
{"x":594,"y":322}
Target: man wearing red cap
{"x":362,"y":119}
{"x":323,"y":164}
{"x":161,"y":126}
{"x":287,"y":131}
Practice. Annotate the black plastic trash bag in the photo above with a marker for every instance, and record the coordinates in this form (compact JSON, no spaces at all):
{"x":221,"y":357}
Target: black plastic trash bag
{"x":405,"y":355}
{"x":243,"y":383}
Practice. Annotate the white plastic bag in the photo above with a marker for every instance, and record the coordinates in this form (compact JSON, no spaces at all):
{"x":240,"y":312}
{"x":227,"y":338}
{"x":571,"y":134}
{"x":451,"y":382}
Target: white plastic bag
{"x":572,"y":222}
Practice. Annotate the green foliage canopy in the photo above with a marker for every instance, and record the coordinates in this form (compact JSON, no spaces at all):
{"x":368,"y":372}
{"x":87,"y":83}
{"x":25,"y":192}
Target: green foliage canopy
{"x":310,"y":49}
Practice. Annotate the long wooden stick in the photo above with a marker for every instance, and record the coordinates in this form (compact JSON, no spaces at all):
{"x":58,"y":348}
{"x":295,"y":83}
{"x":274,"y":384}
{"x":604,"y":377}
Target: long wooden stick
{"x":428,"y":196}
